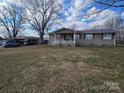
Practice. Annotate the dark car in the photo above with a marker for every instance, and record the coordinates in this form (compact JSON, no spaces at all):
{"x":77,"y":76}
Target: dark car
{"x":11,"y":43}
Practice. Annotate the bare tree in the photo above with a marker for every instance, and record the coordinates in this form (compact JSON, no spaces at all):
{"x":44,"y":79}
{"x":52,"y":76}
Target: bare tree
{"x":111,"y":3}
{"x":12,"y":19}
{"x":116,"y":24}
{"x":106,"y":4}
{"x":42,"y":14}
{"x":97,"y":26}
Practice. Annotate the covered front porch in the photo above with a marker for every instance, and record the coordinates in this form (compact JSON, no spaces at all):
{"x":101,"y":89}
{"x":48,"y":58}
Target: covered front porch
{"x":65,"y":39}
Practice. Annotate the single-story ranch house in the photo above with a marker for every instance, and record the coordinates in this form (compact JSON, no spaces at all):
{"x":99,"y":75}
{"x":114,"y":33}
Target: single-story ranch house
{"x":69,"y":37}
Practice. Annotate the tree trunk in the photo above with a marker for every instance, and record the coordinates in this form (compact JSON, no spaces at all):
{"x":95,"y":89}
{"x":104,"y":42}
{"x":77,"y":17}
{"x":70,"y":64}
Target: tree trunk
{"x":41,"y":39}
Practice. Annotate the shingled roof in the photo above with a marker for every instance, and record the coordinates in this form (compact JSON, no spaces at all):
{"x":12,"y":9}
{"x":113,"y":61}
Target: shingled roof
{"x":86,"y":31}
{"x":98,"y":31}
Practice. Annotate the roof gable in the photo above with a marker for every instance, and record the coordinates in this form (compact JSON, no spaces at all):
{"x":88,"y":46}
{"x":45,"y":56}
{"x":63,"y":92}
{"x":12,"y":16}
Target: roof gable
{"x":63,"y":30}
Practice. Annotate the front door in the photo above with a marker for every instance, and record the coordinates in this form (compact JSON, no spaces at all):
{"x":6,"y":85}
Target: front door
{"x":68,"y":37}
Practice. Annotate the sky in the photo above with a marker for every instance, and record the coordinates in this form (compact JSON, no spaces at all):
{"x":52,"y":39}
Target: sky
{"x":77,"y":11}
{"x":78,"y":14}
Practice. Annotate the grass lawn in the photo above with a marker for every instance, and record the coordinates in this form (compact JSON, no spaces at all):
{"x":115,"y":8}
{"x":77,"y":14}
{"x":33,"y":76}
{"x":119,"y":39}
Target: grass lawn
{"x":43,"y":69}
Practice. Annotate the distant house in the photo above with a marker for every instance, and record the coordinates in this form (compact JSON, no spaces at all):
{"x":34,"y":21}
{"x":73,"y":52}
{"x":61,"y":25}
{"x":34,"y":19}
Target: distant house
{"x":69,"y":37}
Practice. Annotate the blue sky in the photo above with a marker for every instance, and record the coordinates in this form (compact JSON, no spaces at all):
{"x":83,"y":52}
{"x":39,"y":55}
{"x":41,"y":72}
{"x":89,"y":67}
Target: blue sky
{"x":79,"y":14}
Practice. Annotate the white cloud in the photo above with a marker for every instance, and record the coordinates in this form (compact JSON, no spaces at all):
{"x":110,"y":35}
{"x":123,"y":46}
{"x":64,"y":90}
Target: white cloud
{"x":98,"y":20}
{"x":102,"y":17}
{"x":73,"y":13}
{"x":66,"y":13}
{"x":92,"y":10}
{"x":122,"y":14}
{"x":4,"y":2}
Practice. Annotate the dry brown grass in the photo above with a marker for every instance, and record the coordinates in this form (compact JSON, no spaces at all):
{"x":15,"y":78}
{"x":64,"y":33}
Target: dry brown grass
{"x":62,"y":78}
{"x":42,"y":69}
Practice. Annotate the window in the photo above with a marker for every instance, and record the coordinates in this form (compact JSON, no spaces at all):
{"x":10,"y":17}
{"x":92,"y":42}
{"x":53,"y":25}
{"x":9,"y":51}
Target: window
{"x":88,"y":36}
{"x":107,"y":36}
{"x":68,"y":37}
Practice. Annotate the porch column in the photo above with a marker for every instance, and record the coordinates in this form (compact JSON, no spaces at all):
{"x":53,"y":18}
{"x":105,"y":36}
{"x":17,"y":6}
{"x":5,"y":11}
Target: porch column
{"x":55,"y":38}
{"x":74,"y":37}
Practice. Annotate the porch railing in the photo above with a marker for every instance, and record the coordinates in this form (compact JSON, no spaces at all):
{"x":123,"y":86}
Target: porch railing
{"x":64,"y":42}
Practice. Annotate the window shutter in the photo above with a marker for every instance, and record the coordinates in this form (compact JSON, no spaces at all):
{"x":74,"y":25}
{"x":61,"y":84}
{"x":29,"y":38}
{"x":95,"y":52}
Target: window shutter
{"x":84,"y":36}
{"x":101,"y":36}
{"x":80,"y":36}
{"x":113,"y":36}
{"x":64,"y":37}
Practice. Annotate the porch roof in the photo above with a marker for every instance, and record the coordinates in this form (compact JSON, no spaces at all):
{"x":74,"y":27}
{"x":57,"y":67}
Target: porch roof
{"x":63,"y":29}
